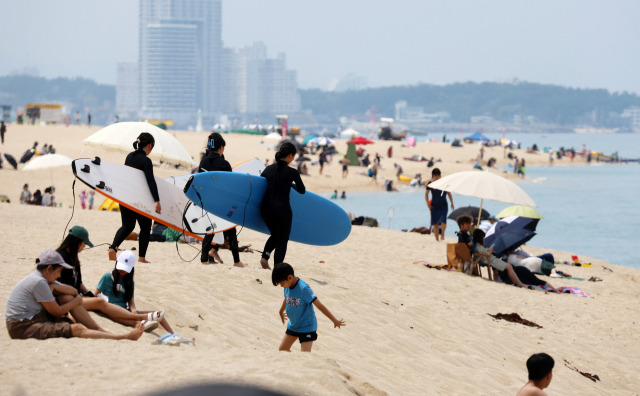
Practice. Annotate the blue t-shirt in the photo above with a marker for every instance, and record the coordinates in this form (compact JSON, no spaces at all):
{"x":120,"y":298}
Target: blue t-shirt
{"x":106,"y":287}
{"x":299,"y":306}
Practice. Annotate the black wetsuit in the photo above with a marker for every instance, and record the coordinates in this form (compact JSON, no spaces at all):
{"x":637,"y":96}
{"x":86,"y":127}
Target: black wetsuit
{"x":137,"y":159}
{"x":216,"y":162}
{"x":275,"y":207}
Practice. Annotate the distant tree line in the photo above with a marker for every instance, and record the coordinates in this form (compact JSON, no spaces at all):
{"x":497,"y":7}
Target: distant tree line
{"x":502,"y":101}
{"x":79,"y":93}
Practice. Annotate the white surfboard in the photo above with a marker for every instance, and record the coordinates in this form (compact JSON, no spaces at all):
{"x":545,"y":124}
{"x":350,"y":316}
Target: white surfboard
{"x":128,"y":187}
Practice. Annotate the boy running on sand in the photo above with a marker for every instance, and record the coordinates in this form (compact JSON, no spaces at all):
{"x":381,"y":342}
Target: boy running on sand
{"x":298,"y":303}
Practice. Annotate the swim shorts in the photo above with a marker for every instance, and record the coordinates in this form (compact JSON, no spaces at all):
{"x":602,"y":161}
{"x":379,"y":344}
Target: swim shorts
{"x":303,"y":337}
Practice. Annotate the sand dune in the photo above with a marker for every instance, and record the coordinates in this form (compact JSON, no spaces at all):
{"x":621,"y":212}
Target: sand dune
{"x":410,"y":329}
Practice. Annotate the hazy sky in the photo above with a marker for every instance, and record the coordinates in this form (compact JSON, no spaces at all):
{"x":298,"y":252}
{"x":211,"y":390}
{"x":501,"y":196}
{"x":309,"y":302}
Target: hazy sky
{"x":576,"y":43}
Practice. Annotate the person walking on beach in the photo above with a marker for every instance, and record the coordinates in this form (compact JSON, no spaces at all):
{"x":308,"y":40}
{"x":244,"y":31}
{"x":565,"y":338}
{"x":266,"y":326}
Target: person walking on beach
{"x":33,"y":312}
{"x":322,"y":158}
{"x":214,"y":160}
{"x":438,"y":206}
{"x":345,"y":167}
{"x":297,"y":306}
{"x":3,"y":129}
{"x":83,"y":199}
{"x":138,"y":159}
{"x":275,"y":207}
{"x":540,"y":367}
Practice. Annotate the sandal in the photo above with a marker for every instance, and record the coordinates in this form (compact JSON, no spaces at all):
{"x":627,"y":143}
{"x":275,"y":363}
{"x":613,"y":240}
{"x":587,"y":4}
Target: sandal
{"x":149,"y":325}
{"x":595,"y":279}
{"x":155,"y":316}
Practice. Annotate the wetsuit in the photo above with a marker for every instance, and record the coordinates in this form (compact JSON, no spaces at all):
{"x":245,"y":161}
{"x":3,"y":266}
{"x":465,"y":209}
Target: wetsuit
{"x":216,"y":162}
{"x":275,"y":207}
{"x":137,"y":159}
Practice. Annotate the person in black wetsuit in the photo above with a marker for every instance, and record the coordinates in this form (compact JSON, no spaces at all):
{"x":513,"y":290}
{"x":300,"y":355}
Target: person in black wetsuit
{"x":275,"y":207}
{"x":138,"y":159}
{"x":214,"y":160}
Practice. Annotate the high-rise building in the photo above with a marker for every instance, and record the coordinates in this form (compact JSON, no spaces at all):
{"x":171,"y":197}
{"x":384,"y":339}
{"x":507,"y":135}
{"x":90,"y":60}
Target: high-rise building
{"x":183,"y":67}
{"x":256,"y":84}
{"x":180,"y":58}
{"x":127,"y":91}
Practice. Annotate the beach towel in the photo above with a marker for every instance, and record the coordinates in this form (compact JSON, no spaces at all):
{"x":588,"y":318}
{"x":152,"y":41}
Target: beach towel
{"x":576,"y":291}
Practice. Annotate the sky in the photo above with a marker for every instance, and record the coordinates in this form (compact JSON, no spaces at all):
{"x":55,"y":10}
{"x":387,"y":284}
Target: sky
{"x":573,"y":43}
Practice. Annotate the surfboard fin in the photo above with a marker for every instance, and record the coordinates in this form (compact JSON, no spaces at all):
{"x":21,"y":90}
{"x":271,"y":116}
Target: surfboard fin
{"x":100,"y":185}
{"x":85,"y":168}
{"x":96,"y":161}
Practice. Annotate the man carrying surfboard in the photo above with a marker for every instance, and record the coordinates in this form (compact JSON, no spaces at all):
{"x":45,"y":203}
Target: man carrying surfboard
{"x":213,"y":160}
{"x":275,"y":207}
{"x":138,"y":159}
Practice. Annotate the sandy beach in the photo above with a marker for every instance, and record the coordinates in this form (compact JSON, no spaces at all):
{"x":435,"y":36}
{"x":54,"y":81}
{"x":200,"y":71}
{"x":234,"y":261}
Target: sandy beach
{"x":411,"y":330}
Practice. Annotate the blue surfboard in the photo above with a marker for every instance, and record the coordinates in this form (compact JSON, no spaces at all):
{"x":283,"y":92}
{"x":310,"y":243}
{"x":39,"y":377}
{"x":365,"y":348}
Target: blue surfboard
{"x":236,"y":197}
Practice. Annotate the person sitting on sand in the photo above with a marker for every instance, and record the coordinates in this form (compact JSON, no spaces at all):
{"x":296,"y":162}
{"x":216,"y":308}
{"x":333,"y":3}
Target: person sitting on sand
{"x":297,"y":306}
{"x":519,"y":276}
{"x":118,"y":287}
{"x":485,"y":225}
{"x":464,"y":222}
{"x":25,"y":195}
{"x":69,"y":249}
{"x":540,"y":367}
{"x":33,"y":312}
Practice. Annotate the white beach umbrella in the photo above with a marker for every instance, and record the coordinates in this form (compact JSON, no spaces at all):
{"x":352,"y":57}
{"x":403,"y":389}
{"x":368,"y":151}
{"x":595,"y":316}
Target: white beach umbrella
{"x":483,"y":185}
{"x":273,"y":137}
{"x":322,"y":141}
{"x":349,"y":133}
{"x":120,"y":137}
{"x":47,"y":161}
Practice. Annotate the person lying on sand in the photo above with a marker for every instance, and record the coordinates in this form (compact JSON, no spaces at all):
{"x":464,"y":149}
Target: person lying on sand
{"x":540,"y":366}
{"x":33,"y":312}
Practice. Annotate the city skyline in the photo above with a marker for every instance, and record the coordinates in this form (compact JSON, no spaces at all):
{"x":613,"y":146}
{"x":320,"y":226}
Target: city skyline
{"x":581,"y":44}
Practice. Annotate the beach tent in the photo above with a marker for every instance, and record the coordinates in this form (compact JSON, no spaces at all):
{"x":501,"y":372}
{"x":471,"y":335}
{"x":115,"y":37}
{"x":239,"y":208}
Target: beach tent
{"x":352,"y":155}
{"x":109,"y":205}
{"x":477,"y":137}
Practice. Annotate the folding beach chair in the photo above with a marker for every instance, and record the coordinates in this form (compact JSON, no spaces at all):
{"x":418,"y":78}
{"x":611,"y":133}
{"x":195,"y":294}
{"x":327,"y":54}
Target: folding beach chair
{"x":459,"y":257}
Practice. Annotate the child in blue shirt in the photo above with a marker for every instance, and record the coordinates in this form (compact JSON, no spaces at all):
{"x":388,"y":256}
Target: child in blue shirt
{"x":298,"y":302}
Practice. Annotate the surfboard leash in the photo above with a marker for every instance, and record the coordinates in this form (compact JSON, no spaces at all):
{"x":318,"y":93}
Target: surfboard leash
{"x":73,"y":208}
{"x":244,"y":212}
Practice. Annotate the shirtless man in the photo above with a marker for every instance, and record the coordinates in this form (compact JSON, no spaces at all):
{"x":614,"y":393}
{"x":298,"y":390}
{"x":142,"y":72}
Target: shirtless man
{"x":540,"y":366}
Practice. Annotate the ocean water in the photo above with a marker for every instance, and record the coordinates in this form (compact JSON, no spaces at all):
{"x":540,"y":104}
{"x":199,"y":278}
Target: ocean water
{"x":591,"y":210}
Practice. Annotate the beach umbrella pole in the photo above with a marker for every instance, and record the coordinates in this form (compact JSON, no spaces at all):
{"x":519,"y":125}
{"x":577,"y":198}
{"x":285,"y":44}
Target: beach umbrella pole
{"x":480,"y":212}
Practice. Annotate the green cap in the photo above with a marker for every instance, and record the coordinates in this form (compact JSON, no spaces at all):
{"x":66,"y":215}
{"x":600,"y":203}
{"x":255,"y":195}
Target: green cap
{"x":81,"y":233}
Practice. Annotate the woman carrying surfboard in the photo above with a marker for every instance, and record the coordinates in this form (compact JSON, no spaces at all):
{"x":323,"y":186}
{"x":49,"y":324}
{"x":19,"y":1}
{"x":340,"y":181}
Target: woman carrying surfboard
{"x":214,"y":160}
{"x":138,"y":159}
{"x":275,"y":207}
